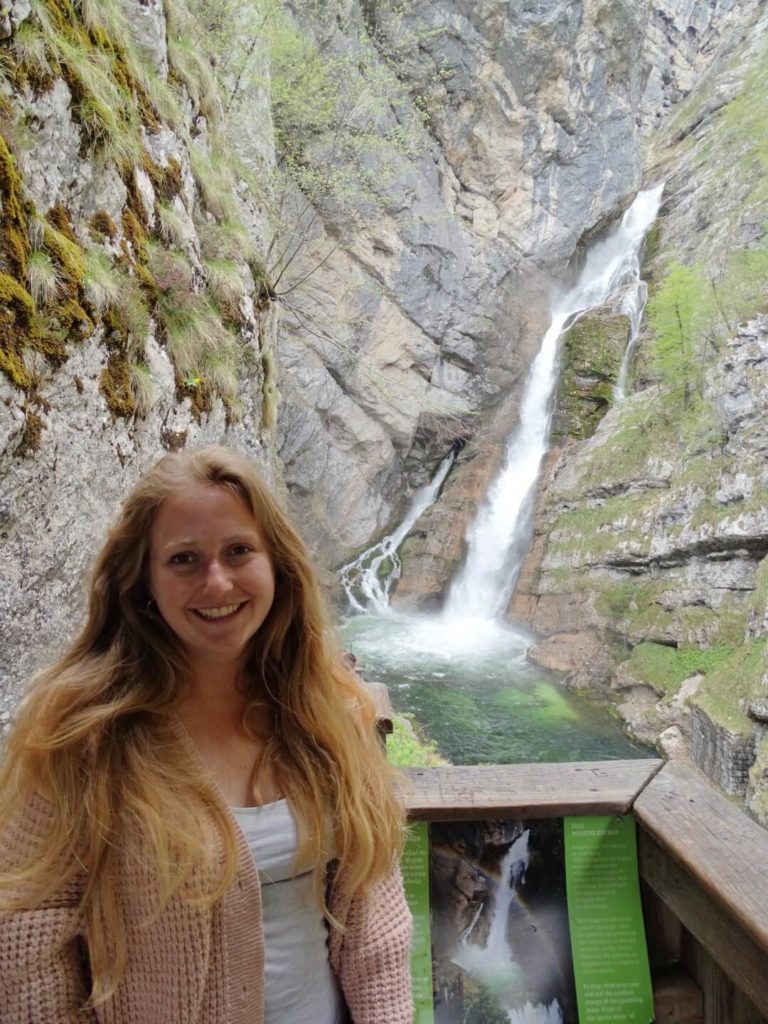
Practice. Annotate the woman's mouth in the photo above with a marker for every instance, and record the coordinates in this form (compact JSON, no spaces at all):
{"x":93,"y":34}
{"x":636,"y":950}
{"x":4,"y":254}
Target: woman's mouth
{"x":211,"y":614}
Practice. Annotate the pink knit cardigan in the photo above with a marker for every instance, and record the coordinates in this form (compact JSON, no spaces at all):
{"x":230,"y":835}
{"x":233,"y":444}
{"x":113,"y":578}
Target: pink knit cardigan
{"x":191,"y":965}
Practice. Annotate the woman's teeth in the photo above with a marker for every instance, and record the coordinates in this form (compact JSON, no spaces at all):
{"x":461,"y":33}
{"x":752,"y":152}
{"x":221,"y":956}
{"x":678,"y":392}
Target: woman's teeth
{"x":217,"y":613}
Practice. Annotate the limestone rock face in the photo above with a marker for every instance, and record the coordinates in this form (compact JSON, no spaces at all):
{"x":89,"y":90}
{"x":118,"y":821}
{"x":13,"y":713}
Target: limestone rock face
{"x":73,"y":436}
{"x":654,"y":530}
{"x":58,"y":502}
{"x":394,"y":341}
{"x":529,"y":107}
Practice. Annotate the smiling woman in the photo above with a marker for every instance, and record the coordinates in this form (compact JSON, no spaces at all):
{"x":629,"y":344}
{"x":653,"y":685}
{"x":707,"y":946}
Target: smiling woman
{"x":210,"y":575}
{"x":197,"y":822}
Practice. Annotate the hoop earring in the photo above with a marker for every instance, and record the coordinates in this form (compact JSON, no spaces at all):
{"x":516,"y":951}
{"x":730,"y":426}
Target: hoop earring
{"x":151,"y":605}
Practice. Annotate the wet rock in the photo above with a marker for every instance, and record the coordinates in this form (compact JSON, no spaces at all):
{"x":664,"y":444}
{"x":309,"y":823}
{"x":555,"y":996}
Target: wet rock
{"x":583,"y":658}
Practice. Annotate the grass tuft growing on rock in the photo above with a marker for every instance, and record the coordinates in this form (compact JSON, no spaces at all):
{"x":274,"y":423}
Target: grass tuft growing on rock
{"x":43,"y":278}
{"x":101,"y":282}
{"x":143,"y":388}
{"x":665,"y":668}
{"x":734,"y":680}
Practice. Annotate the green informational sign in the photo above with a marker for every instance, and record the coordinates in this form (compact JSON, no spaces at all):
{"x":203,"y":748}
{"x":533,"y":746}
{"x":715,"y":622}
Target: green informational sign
{"x":416,"y":878}
{"x":610,"y":959}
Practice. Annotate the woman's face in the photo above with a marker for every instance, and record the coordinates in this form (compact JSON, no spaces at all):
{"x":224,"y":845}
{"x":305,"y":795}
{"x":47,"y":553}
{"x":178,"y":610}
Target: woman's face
{"x":210,"y":573}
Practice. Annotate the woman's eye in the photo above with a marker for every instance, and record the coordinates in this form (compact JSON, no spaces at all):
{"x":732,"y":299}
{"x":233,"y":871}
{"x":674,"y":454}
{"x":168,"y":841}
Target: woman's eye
{"x":181,"y":558}
{"x":240,"y":549}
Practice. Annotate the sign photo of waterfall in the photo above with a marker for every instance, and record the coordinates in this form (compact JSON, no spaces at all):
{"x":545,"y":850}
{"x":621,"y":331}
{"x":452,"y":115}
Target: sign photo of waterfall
{"x":499,"y":922}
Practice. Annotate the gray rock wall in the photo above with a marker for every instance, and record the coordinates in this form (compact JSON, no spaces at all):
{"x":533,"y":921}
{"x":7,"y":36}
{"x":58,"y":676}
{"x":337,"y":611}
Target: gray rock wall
{"x":63,"y":480}
{"x":655,"y":530}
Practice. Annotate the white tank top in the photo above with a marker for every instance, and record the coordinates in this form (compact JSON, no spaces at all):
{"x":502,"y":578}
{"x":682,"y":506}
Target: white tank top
{"x":299,"y":985}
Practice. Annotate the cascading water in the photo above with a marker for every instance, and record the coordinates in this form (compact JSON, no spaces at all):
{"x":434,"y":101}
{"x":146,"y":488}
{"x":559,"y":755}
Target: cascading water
{"x":498,"y":537}
{"x":493,"y":961}
{"x":464,"y":673}
{"x":635,"y":298}
{"x":362,"y":577}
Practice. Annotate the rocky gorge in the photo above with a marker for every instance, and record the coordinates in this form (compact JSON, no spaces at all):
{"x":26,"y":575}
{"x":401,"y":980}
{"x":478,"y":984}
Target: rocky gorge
{"x":328,"y":234}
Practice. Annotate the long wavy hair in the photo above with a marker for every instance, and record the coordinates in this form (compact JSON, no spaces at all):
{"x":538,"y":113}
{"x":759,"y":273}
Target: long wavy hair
{"x":96,"y":736}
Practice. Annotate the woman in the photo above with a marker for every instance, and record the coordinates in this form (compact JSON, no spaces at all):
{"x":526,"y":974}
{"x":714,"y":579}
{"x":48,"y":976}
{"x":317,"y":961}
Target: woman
{"x":195,"y":789}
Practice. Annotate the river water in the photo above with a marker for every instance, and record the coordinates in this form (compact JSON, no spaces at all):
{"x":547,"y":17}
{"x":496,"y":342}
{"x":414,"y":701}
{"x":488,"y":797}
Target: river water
{"x":483,"y":704}
{"x":463,"y":673}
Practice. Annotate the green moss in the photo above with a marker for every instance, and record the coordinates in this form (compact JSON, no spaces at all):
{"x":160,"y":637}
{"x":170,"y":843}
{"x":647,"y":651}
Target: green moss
{"x":102,"y":225}
{"x":110,"y":101}
{"x":166,"y":181}
{"x":198,"y":391}
{"x":13,"y":236}
{"x":66,"y":253}
{"x":115,"y":385}
{"x":592,"y":354}
{"x":32,"y":434}
{"x":136,"y":234}
{"x":732,"y":681}
{"x":651,"y":245}
{"x":665,"y":668}
{"x":16,"y":314}
{"x":12,"y":365}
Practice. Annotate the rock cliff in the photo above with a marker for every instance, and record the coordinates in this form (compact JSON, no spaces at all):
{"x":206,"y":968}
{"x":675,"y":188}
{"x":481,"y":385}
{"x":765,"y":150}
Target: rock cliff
{"x":652,"y":533}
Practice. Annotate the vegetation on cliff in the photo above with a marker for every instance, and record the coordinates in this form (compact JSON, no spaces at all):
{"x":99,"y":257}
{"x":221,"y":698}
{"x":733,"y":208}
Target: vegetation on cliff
{"x":176,"y":259}
{"x":661,"y":516}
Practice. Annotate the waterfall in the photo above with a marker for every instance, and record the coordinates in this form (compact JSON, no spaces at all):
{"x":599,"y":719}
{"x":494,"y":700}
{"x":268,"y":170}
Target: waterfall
{"x":494,"y":961}
{"x":373,"y":572}
{"x":497,"y":539}
{"x":511,"y":876}
{"x":636,"y":295}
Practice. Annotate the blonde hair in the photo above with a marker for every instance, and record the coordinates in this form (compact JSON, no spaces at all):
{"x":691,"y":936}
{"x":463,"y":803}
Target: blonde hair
{"x":95,"y":736}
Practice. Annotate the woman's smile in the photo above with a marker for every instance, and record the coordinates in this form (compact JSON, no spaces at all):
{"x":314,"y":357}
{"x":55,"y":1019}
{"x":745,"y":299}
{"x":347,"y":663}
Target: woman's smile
{"x":219,"y":613}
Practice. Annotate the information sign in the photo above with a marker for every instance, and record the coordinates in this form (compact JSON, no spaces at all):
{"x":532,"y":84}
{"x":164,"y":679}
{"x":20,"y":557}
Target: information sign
{"x":610,"y":959}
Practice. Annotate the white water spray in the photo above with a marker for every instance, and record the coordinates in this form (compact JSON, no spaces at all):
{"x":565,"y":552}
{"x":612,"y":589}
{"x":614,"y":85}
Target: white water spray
{"x":494,"y":961}
{"x":498,"y":537}
{"x":362,"y":576}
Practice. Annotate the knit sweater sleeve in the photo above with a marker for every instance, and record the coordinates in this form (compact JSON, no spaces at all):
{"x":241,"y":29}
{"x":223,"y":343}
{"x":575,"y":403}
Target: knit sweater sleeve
{"x":42,"y":973}
{"x":373,"y":956}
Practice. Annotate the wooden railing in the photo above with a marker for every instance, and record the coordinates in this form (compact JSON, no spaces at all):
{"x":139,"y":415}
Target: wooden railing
{"x":703,"y":867}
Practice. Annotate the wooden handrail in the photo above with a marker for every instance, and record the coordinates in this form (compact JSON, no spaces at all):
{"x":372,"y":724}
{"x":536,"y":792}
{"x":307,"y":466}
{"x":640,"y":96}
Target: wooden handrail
{"x":708,"y":862}
{"x":455,"y":793}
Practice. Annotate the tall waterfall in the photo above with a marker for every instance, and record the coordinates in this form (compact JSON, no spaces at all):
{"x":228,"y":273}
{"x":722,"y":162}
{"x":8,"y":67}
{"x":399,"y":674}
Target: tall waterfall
{"x":368,"y":579}
{"x":499,"y":535}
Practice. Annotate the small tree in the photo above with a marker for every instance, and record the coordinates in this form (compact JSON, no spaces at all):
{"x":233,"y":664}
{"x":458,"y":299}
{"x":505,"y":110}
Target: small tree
{"x":678,"y":315}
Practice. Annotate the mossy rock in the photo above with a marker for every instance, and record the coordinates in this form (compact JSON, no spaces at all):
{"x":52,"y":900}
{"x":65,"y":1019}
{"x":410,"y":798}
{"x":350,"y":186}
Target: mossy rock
{"x":736,"y":679}
{"x":665,"y":668}
{"x":14,"y":247}
{"x":115,"y":385}
{"x":593,"y":349}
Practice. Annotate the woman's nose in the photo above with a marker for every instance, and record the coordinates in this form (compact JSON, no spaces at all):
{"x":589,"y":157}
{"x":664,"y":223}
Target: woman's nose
{"x":216,"y":576}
